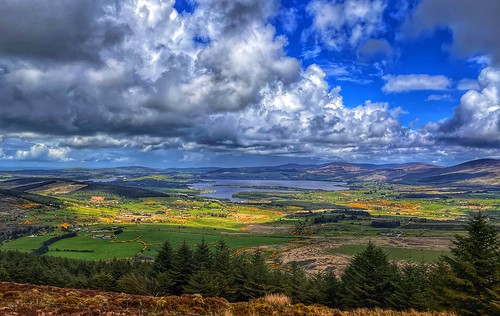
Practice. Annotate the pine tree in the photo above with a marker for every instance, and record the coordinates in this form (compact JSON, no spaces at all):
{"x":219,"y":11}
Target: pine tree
{"x":182,"y":268}
{"x":474,"y":282}
{"x":223,"y":268}
{"x":239,"y":275}
{"x":102,"y":281}
{"x":4,"y":275}
{"x":204,"y":282}
{"x":163,"y":261}
{"x":256,"y":283}
{"x":203,"y":256}
{"x":413,"y":288}
{"x":368,"y":280}
{"x":323,"y":289}
{"x":296,"y":283}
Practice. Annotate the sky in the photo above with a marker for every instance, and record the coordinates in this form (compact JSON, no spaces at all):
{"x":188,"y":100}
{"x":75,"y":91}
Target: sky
{"x":193,"y":83}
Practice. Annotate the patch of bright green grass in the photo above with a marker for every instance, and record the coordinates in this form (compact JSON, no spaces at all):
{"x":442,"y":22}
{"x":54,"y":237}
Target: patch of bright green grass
{"x":101,"y":249}
{"x":393,"y":253}
{"x":25,"y":244}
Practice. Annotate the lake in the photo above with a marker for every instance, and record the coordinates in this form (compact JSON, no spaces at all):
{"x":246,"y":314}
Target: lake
{"x":225,"y":189}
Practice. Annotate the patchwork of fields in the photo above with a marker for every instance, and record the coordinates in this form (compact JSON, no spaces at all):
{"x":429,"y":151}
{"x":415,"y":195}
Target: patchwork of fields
{"x":114,"y":221}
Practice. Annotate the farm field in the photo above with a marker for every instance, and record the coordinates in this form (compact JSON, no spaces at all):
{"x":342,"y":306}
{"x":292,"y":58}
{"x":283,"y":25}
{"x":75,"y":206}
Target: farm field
{"x":113,"y":221}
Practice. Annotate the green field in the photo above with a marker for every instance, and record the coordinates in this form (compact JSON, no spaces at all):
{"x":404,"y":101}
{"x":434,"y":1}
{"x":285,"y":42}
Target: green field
{"x":280,"y":217}
{"x":25,"y":244}
{"x":101,"y":249}
{"x":393,"y":253}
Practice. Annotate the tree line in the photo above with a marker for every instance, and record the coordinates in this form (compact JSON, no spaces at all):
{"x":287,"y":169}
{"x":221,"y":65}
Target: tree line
{"x":467,"y":281}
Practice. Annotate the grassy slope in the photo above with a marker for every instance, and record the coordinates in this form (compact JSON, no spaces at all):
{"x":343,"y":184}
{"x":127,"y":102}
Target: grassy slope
{"x":27,"y":299}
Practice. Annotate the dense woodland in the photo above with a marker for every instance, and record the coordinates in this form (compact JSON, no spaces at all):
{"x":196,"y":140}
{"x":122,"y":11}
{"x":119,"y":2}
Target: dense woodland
{"x":467,"y":282}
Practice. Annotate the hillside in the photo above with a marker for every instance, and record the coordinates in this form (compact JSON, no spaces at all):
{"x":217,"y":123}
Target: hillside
{"x":370,"y":172}
{"x":476,"y":172}
{"x":27,"y":299}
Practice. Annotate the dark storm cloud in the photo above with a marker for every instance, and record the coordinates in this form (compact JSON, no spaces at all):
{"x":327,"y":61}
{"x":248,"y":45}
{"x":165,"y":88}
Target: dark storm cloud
{"x":88,"y":77}
{"x":235,"y":15}
{"x":59,"y":29}
{"x":474,"y":24}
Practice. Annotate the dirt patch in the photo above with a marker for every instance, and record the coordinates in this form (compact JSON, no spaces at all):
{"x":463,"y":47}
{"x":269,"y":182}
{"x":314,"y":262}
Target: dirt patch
{"x":317,"y":254}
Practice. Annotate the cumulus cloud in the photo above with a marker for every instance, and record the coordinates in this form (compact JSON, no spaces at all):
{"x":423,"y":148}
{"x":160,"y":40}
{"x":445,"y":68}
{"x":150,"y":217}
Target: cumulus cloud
{"x":137,"y":76}
{"x":159,"y":80}
{"x":42,"y":152}
{"x":404,"y":83}
{"x":337,"y":24}
{"x":474,"y":24}
{"x":476,"y":120}
{"x":309,"y":119}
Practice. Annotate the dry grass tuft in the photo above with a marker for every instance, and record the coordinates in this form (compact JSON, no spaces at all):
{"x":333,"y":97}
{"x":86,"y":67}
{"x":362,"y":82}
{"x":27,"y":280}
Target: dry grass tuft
{"x":277,"y":299}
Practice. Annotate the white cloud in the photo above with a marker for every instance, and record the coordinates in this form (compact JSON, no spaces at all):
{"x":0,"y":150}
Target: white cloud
{"x":288,"y":19}
{"x":42,"y":152}
{"x":236,"y":91}
{"x":351,"y":23}
{"x":468,"y":84}
{"x":483,"y":60}
{"x":308,"y":119}
{"x":476,"y":121}
{"x":404,"y":83}
{"x":439,"y":97}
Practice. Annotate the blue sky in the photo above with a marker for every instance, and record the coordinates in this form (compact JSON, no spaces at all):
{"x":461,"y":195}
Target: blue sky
{"x":247,"y":82}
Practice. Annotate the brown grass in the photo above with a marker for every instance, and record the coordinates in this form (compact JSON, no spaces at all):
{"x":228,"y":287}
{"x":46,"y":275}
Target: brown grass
{"x":27,"y":299}
{"x":277,"y":299}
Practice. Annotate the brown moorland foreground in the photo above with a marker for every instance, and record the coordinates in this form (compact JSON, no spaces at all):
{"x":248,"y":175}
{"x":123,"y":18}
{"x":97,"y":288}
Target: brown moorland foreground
{"x":28,"y":299}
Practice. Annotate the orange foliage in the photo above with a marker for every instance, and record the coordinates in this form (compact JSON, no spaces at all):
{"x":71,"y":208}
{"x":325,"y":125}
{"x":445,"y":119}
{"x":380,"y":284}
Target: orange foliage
{"x":65,"y":225}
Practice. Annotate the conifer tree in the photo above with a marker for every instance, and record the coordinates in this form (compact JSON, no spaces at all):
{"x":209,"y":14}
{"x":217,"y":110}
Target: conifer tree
{"x":203,"y":256}
{"x":368,"y":280}
{"x":256,"y":283}
{"x":412,"y":288}
{"x":324,"y":289}
{"x":102,"y":281}
{"x":182,"y":268}
{"x":163,"y":260}
{"x":204,"y":282}
{"x":240,"y":272}
{"x":296,"y":283}
{"x":223,"y":268}
{"x":474,"y":282}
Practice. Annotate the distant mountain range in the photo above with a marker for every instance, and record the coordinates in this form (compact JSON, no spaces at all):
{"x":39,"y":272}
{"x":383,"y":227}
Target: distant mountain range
{"x":482,"y":172}
{"x":485,"y":172}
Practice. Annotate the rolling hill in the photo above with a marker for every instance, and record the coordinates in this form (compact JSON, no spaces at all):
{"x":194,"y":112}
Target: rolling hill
{"x":484,"y":172}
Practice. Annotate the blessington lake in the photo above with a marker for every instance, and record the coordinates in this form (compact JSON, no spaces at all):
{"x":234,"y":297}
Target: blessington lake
{"x":225,"y":189}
